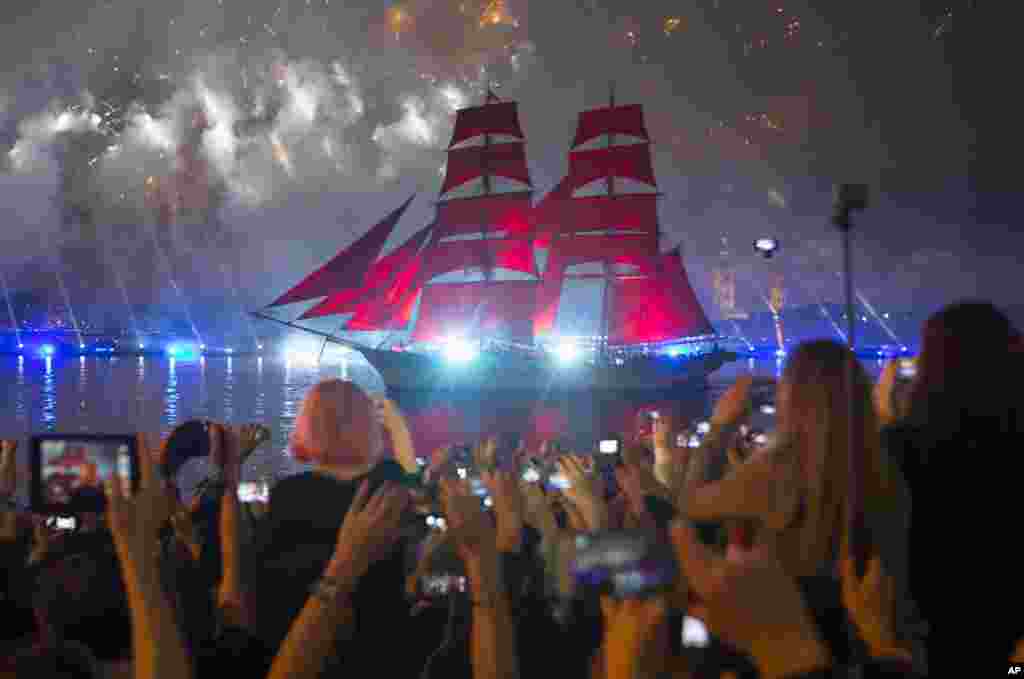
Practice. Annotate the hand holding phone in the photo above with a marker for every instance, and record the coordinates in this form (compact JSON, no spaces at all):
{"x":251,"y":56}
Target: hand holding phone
{"x":70,"y":470}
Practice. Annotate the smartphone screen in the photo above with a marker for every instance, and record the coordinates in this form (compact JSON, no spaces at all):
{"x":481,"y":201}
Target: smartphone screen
{"x":254,"y":491}
{"x":907,"y":369}
{"x":62,"y":523}
{"x":681,"y":440}
{"x":609,"y":446}
{"x":442,"y":585}
{"x":69,"y":471}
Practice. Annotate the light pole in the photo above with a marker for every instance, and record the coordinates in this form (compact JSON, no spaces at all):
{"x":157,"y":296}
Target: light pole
{"x":850,"y":198}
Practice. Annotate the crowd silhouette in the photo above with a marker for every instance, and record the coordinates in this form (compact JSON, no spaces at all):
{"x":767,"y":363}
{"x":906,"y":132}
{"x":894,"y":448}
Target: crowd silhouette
{"x":497,"y":561}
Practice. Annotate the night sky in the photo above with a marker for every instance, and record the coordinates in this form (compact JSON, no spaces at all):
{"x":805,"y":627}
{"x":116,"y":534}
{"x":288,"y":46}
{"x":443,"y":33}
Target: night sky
{"x":326,"y":114}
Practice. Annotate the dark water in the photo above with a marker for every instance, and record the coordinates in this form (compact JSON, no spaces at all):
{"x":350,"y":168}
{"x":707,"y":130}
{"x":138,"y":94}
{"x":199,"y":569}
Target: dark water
{"x":131,"y":394}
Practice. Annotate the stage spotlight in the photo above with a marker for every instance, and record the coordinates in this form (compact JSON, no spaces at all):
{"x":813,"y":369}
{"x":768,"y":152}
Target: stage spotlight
{"x":20,"y":346}
{"x":229,"y":350}
{"x":766,"y":247}
{"x":183,"y":351}
{"x":675,"y":352}
{"x":259,"y":347}
{"x":458,"y":350}
{"x":567,"y":352}
{"x":48,"y":350}
{"x":142,"y":345}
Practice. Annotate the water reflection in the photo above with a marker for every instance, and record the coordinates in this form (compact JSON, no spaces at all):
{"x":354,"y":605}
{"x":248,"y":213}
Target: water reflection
{"x":171,"y":395}
{"x":20,"y":408}
{"x":49,"y":415}
{"x":229,"y":392}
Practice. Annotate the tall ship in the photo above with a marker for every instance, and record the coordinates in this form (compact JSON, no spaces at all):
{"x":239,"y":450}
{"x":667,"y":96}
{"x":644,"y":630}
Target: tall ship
{"x":500,"y":292}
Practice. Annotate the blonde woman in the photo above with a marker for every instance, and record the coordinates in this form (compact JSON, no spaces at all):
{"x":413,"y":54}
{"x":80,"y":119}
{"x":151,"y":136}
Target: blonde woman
{"x":341,"y":431}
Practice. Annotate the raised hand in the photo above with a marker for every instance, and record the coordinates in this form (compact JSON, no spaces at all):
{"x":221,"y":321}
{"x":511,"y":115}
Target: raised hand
{"x":537,"y":508}
{"x":752,"y":604}
{"x":636,"y":638}
{"x":734,"y":403}
{"x":41,"y":540}
{"x":585,"y":492}
{"x":251,"y":437}
{"x":135,"y":521}
{"x":882,"y":393}
{"x":369,"y":531}
{"x":226,"y":446}
{"x":871,"y":603}
{"x":8,"y":468}
{"x":664,"y":434}
{"x":398,"y":431}
{"x":637,"y":482}
{"x":485,"y":455}
{"x":508,"y":509}
{"x":467,"y":523}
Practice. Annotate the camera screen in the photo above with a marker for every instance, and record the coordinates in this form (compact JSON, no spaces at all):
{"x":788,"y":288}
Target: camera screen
{"x":907,"y":369}
{"x":70,"y":469}
{"x":531,"y":475}
{"x":254,"y":491}
{"x":623,"y":564}
{"x":62,"y":523}
{"x":609,"y":446}
{"x":442,"y":585}
{"x":682,"y":440}
{"x":695,"y":633}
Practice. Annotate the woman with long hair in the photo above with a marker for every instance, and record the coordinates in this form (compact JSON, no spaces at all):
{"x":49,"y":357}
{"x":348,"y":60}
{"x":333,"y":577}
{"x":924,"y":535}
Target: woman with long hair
{"x":798,"y":487}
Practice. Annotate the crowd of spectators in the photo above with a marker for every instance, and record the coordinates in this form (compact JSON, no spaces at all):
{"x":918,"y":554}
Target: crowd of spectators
{"x":835,"y":546}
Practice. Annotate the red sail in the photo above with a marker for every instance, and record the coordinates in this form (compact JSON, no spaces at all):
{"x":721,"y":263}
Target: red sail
{"x":497,"y":160}
{"x":625,"y":120}
{"x":656,"y":308}
{"x":349,"y":267}
{"x":504,"y":253}
{"x":499,"y":308}
{"x":499,"y":119}
{"x":627,"y":248}
{"x":378,"y":315}
{"x":628,"y":212}
{"x":508,"y":212}
{"x":383,"y":273}
{"x":631,"y":162}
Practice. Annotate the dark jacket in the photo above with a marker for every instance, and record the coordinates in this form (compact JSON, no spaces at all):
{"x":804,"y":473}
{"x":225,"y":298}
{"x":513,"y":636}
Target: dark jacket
{"x":291,"y":548}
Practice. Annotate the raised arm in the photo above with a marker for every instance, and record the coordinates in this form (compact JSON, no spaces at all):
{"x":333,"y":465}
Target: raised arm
{"x":370,"y":528}
{"x":135,"y":523}
{"x":493,"y":637}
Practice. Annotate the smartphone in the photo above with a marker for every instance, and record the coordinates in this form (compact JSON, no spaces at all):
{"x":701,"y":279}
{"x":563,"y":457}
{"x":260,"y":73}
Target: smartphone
{"x":435,"y":586}
{"x":624,"y":564}
{"x":695,"y":633}
{"x":768,"y":409}
{"x":531,"y":475}
{"x":907,"y":369}
{"x":558,"y":482}
{"x":254,"y":491}
{"x":682,"y":440}
{"x":62,"y":523}
{"x":609,"y":446}
{"x":703,"y":427}
{"x":68,"y":471}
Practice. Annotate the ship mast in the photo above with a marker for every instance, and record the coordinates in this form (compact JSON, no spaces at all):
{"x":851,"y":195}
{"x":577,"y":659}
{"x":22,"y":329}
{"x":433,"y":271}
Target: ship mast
{"x":609,"y":274}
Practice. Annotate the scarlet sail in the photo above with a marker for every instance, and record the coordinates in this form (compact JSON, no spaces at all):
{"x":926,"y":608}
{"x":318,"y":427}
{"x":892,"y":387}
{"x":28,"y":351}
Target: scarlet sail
{"x":497,"y":309}
{"x":347,"y":269}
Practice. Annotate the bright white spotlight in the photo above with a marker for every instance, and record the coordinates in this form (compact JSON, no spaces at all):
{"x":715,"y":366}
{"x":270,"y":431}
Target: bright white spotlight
{"x":229,"y":350}
{"x":458,"y":350}
{"x":567,"y":352}
{"x":675,"y":352}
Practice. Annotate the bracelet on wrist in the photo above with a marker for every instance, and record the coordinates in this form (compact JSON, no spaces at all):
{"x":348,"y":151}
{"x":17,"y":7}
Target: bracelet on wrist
{"x":330,"y":591}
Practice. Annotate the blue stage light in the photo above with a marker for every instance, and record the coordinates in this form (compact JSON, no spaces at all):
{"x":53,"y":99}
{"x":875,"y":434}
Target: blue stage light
{"x":458,"y":350}
{"x":182,"y":351}
{"x":229,"y":350}
{"x":567,"y":352}
{"x":20,"y":346}
{"x":675,"y":352}
{"x":48,"y":350}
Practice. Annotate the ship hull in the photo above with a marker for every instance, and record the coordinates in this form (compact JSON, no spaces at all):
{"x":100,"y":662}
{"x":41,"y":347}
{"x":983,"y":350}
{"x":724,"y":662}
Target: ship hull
{"x":493,"y":373}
